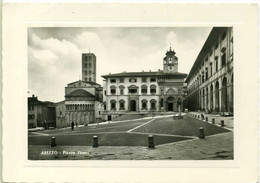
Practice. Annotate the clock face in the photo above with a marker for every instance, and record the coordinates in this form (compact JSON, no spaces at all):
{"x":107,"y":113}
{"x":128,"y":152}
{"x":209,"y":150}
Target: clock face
{"x":170,"y":68}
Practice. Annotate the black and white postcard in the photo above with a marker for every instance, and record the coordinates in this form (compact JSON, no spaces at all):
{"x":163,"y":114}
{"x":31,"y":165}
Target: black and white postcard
{"x":130,"y":92}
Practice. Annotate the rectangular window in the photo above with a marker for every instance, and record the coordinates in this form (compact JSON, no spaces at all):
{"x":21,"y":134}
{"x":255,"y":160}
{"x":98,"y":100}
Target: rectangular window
{"x":121,"y":80}
{"x":153,"y":105}
{"x":113,"y":105}
{"x":132,"y":90}
{"x":132,"y":80}
{"x":153,"y":90}
{"x":32,"y":107}
{"x":86,"y":72}
{"x":112,"y":80}
{"x":153,"y":79}
{"x":122,"y":105}
{"x":90,"y":79}
{"x":105,"y":92}
{"x":216,"y":65}
{"x":121,"y":91}
{"x":144,"y":80}
{"x":144,"y":105}
{"x":216,"y":46}
{"x":89,"y":64}
{"x":144,"y":90}
{"x":223,"y":59}
{"x":113,"y":91}
{"x":224,"y":35}
{"x":86,"y":65}
{"x":31,"y":116}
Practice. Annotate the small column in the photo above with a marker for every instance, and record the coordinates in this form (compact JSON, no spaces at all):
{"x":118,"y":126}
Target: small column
{"x":95,"y":141}
{"x":201,"y":133}
{"x":150,"y":141}
{"x":222,"y":123}
{"x":53,"y":141}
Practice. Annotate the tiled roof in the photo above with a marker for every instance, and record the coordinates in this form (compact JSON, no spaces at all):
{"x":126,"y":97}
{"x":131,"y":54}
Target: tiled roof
{"x":211,"y":40}
{"x":79,"y":93}
{"x":88,"y":82}
{"x":152,"y":73}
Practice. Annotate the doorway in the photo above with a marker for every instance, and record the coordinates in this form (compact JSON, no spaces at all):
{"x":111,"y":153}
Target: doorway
{"x":109,"y":118}
{"x":133,"y":105}
{"x":170,"y":106}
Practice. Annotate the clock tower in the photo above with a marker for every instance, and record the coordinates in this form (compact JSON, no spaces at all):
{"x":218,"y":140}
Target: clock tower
{"x":170,"y":62}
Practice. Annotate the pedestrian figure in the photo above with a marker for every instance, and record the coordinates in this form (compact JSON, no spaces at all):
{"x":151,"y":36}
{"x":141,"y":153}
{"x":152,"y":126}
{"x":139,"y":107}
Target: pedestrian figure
{"x":72,"y":125}
{"x":202,"y":116}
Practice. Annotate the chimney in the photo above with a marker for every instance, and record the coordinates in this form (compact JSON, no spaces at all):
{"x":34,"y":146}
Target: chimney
{"x":33,"y":96}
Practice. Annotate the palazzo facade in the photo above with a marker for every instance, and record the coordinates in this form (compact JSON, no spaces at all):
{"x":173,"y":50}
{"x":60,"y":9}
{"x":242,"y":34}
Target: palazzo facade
{"x":210,"y":81}
{"x":144,"y":92}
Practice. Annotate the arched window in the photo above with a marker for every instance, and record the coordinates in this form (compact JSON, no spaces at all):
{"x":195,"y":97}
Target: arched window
{"x":144,"y":89}
{"x":121,"y":104}
{"x":152,"y":89}
{"x":132,"y":89}
{"x":144,"y":104}
{"x":223,"y":59}
{"x":224,"y":98}
{"x":122,"y":88}
{"x":113,"y":104}
{"x":112,"y":90}
{"x":207,"y":74}
{"x":217,"y":96}
{"x":153,"y":104}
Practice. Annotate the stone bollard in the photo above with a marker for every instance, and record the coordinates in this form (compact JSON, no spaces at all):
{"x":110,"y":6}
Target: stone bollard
{"x":53,"y":141}
{"x":206,"y":118}
{"x":222,"y":123}
{"x":213,"y":120}
{"x":95,"y":141}
{"x":150,"y":141}
{"x":201,"y":133}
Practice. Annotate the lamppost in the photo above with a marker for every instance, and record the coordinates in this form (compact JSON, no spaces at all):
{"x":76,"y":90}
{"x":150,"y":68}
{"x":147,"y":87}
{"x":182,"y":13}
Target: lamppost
{"x":61,"y":119}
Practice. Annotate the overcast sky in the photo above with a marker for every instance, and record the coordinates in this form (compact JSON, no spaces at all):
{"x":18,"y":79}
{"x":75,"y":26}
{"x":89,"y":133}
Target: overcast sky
{"x":54,"y":54}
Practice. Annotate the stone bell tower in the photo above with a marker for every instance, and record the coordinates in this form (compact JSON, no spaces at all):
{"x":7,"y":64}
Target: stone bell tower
{"x":89,"y":67}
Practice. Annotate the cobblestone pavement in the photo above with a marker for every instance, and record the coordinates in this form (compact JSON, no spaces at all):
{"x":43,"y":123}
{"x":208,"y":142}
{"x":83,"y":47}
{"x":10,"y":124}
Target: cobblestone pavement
{"x":213,"y":147}
{"x":228,"y":120}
